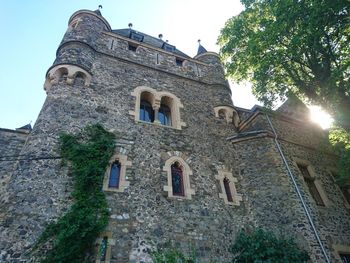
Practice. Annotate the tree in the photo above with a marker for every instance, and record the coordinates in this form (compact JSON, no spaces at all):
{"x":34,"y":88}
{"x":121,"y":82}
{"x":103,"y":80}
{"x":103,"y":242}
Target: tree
{"x":295,"y":48}
{"x":298,"y":47}
{"x":264,"y":246}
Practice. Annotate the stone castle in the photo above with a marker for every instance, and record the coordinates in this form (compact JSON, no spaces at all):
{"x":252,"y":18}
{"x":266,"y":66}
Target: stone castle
{"x":189,"y":167}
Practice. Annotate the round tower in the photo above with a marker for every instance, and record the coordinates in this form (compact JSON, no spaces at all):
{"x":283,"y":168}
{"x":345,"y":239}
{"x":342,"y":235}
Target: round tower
{"x":76,"y":53}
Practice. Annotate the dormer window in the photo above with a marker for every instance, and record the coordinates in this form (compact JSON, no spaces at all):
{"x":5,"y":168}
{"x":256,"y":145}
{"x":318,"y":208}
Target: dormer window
{"x":179,"y":62}
{"x":136,"y":36}
{"x":168,"y":47}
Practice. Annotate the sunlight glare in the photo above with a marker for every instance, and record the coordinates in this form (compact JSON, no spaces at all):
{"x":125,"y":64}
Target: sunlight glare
{"x":320,"y":117}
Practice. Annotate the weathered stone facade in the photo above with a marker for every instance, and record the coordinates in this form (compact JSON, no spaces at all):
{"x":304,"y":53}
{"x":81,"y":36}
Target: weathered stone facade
{"x":93,"y":80}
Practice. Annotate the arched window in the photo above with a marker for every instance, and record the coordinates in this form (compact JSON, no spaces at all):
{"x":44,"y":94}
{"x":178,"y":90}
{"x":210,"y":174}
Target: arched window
{"x":114,"y":176}
{"x":62,"y":75}
{"x":146,"y":111}
{"x":79,"y":79}
{"x":228,"y":190}
{"x":222,"y":114}
{"x":177,"y":180}
{"x":164,"y":115}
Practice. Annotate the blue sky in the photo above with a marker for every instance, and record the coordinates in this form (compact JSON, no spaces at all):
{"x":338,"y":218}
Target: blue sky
{"x":32,"y":30}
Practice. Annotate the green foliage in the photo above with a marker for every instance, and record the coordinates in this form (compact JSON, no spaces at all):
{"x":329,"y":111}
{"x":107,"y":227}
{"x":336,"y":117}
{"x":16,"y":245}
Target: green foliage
{"x":263,"y":246}
{"x":171,"y":255}
{"x":74,"y":234}
{"x":292,"y":47}
{"x":340,"y":138}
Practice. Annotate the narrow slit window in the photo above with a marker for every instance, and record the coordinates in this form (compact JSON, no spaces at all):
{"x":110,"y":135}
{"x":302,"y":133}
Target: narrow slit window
{"x":114,"y":176}
{"x":177,"y":180}
{"x":103,"y":249}
{"x":228,"y":190}
{"x":310,"y":182}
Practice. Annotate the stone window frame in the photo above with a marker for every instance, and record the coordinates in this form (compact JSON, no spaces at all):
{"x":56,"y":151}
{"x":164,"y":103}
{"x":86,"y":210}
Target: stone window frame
{"x":111,"y":242}
{"x":186,"y":173}
{"x":340,"y":249}
{"x":317,"y":182}
{"x":123,"y":183}
{"x":54,"y":74}
{"x":231,"y":115}
{"x":236,"y":198}
{"x":332,"y":172}
{"x":155,"y":100}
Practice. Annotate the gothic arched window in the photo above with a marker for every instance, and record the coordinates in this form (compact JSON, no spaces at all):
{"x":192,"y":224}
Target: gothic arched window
{"x":146,"y":111}
{"x":114,"y":176}
{"x":164,"y":115}
{"x":228,"y":190}
{"x":177,"y":179}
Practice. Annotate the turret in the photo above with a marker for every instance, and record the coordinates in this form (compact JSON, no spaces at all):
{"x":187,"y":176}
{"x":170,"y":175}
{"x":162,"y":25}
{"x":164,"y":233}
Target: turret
{"x":76,"y":53}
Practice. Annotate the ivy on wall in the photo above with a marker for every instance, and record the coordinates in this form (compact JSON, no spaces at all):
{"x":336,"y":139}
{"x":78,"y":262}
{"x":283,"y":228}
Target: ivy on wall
{"x":73,"y":236}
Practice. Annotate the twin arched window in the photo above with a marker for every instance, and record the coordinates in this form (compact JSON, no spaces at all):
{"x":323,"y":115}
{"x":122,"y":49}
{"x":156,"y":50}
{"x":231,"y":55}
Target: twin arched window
{"x":161,"y":114}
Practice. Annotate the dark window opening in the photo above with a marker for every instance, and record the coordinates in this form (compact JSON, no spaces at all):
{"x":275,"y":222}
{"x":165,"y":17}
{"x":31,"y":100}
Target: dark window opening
{"x":310,"y":182}
{"x":345,"y":258}
{"x":164,"y":115}
{"x":222,"y":114}
{"x":132,"y":47}
{"x":346,"y":192}
{"x":228,"y":190}
{"x":136,"y":36}
{"x":179,"y":62}
{"x":168,"y":47}
{"x":79,"y":79}
{"x":103,"y":249}
{"x":114,"y":175}
{"x":146,"y":111}
{"x":177,"y":180}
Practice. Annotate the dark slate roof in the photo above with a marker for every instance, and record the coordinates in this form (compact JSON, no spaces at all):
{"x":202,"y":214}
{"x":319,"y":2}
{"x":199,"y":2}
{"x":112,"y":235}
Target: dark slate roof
{"x":147,"y":39}
{"x":98,"y":12}
{"x":201,"y":50}
{"x":25,"y":127}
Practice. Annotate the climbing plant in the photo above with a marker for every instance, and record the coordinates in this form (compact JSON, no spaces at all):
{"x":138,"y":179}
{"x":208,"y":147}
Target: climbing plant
{"x":72,"y":236}
{"x":263,"y":246}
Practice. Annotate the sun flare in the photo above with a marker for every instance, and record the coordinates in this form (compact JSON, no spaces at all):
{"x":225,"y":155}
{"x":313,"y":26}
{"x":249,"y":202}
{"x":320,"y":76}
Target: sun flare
{"x":320,"y":117}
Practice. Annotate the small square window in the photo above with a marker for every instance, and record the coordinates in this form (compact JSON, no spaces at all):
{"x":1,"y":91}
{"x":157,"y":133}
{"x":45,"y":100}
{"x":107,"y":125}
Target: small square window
{"x":179,"y":62}
{"x":132,"y":47}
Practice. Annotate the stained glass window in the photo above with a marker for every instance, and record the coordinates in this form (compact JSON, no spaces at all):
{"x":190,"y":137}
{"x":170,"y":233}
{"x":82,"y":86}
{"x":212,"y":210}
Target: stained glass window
{"x":177,"y":179}
{"x":146,"y":111}
{"x":228,"y":190}
{"x":114,"y":175}
{"x":164,"y":115}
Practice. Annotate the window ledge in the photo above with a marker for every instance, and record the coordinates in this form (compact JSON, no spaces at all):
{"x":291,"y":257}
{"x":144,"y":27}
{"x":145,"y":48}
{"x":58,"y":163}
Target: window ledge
{"x":156,"y":124}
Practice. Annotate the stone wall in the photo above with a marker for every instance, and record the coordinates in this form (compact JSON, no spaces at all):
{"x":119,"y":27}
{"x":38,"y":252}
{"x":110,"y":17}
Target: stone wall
{"x":143,"y":216}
